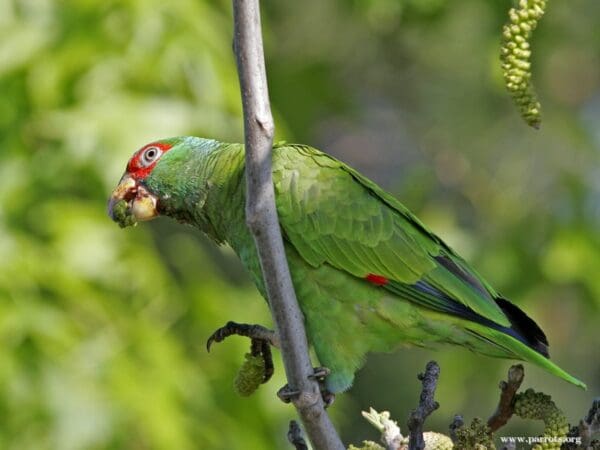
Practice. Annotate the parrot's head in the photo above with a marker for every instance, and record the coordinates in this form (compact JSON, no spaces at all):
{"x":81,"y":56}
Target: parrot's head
{"x":154,"y":181}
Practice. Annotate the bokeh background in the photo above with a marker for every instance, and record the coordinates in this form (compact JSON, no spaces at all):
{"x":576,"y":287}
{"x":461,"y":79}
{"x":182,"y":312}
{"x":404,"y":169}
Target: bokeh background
{"x":102,"y":330}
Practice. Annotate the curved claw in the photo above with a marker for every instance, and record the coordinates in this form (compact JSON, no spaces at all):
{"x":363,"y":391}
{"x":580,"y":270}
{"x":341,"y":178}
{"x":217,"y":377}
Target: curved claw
{"x":320,"y":373}
{"x":261,"y":340}
{"x":220,"y":334}
{"x":257,"y":332}
{"x":328,"y":397}
{"x":286,"y":394}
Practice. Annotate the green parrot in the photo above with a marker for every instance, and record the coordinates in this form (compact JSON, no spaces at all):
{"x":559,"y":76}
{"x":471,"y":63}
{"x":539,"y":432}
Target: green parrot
{"x":369,"y":276}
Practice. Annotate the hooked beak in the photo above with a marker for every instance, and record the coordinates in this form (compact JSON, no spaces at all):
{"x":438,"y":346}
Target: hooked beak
{"x":131,"y":202}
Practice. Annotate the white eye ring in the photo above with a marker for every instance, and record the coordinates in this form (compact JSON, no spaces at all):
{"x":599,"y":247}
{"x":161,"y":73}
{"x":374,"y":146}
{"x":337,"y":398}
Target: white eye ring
{"x":150,"y":155}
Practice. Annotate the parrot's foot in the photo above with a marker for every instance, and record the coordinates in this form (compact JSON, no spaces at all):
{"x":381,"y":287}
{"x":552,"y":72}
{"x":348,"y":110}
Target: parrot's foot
{"x":286,"y":394}
{"x":319,"y":374}
{"x":255,"y":332}
{"x":261,"y":340}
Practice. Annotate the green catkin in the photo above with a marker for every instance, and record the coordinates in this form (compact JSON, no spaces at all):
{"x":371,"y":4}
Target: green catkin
{"x":250,"y":376}
{"x":122,"y":215}
{"x":477,"y":436}
{"x":539,"y":406}
{"x":515,"y":54}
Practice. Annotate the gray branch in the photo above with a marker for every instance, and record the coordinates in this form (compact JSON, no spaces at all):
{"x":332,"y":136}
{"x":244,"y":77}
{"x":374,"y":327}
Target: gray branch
{"x":588,"y":427}
{"x":295,"y":436}
{"x":427,"y":405}
{"x":457,"y":422}
{"x":261,"y":218}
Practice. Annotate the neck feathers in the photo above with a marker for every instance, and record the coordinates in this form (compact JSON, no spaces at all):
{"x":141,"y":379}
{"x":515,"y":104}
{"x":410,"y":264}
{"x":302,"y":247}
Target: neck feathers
{"x":202,"y":184}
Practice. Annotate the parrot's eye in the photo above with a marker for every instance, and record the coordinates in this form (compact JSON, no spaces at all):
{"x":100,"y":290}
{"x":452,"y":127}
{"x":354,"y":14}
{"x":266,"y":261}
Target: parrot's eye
{"x":150,"y":155}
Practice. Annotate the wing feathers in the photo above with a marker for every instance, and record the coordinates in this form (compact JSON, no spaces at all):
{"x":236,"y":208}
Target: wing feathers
{"x":331,"y":214}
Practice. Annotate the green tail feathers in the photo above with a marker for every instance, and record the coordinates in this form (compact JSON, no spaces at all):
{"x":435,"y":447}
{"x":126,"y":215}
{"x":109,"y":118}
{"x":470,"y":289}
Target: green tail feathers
{"x":525,"y":353}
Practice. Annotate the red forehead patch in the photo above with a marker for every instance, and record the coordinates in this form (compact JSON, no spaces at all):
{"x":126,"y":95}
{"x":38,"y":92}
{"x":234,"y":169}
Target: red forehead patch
{"x":140,"y":169}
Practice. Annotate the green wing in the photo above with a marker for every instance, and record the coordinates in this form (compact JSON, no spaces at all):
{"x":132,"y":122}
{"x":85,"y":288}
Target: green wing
{"x":333,"y":215}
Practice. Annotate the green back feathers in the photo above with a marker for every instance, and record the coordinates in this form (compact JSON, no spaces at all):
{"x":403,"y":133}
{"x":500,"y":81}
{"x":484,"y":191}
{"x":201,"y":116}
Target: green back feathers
{"x":333,"y":215}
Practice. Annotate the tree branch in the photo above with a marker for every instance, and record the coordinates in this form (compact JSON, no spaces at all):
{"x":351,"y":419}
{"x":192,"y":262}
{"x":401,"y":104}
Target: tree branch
{"x":457,"y":422}
{"x":261,"y":218}
{"x":508,"y":389}
{"x":588,"y":427}
{"x":295,"y":436}
{"x":426,"y":406}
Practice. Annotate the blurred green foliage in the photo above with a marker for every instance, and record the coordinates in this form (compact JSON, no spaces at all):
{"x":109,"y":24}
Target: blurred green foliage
{"x":103,"y":330}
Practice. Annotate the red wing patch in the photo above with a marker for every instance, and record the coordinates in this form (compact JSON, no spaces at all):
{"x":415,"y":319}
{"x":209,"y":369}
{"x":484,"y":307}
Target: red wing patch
{"x":377,"y":280}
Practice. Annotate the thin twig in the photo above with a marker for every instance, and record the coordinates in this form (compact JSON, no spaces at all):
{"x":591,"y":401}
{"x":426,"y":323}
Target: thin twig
{"x":261,"y":218}
{"x":426,"y":406}
{"x":588,"y":427}
{"x":295,"y":436}
{"x":508,"y":389}
{"x":457,"y":422}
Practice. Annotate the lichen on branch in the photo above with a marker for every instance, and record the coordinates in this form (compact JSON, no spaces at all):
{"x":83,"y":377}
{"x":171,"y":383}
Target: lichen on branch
{"x":393,"y":439}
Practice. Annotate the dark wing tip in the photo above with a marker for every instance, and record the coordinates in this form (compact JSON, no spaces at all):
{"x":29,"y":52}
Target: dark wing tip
{"x":525,"y":326}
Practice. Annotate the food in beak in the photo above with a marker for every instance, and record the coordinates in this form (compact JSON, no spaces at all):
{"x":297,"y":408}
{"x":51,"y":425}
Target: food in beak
{"x":131,"y":202}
